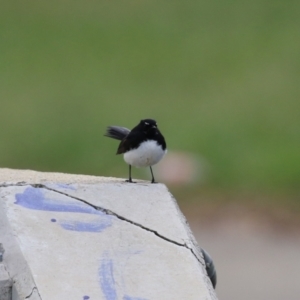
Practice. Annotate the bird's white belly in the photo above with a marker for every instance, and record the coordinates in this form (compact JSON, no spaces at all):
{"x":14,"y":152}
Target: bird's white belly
{"x":148,"y":154}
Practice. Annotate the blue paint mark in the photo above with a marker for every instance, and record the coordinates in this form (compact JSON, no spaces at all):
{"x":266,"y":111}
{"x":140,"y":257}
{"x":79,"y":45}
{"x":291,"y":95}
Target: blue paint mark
{"x":34,"y":198}
{"x":86,"y":297}
{"x":62,"y":186}
{"x":126,"y":297}
{"x":107,"y":281}
{"x":96,"y":226}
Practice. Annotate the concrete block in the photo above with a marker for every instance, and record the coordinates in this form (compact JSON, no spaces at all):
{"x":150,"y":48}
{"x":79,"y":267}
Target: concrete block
{"x":5,"y":284}
{"x":85,"y":237}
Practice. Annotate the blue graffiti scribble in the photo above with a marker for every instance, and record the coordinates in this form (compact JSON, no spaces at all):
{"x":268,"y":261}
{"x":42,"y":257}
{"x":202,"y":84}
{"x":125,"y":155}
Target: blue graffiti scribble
{"x":126,"y":297}
{"x":96,"y":226}
{"x":34,"y":198}
{"x":107,"y":281}
{"x":62,"y":186}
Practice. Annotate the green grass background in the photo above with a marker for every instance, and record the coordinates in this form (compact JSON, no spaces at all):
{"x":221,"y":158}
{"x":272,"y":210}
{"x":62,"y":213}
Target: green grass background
{"x":222,"y":78}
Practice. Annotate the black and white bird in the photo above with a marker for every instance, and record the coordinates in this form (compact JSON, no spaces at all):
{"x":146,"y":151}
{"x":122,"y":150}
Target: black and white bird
{"x":143,"y":146}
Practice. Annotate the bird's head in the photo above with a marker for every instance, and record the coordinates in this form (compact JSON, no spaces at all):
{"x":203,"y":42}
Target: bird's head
{"x":149,"y":126}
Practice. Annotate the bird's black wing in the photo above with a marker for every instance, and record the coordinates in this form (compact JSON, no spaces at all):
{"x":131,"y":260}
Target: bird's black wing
{"x":131,"y":141}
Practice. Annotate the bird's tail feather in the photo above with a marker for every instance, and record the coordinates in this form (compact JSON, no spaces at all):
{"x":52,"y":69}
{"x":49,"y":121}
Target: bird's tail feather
{"x":116,"y":132}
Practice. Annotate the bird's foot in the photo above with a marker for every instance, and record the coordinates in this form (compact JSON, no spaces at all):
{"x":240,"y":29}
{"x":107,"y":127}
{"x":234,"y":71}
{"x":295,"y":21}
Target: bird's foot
{"x":130,"y":180}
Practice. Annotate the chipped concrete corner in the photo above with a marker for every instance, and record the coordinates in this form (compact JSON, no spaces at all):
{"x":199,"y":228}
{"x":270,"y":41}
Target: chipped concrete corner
{"x":84,"y":237}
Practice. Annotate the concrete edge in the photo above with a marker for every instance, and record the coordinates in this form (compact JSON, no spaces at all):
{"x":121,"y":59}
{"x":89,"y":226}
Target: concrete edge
{"x":14,"y":262}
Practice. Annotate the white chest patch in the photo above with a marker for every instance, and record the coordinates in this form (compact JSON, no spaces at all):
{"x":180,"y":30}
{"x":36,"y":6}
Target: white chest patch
{"x":148,"y":154}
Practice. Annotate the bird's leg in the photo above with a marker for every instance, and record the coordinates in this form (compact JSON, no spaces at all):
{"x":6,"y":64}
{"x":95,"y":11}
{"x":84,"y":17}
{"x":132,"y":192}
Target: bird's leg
{"x":130,"y":179}
{"x":153,"y":180}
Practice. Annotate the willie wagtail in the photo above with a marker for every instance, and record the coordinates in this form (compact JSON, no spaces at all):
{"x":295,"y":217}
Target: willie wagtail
{"x":143,"y":146}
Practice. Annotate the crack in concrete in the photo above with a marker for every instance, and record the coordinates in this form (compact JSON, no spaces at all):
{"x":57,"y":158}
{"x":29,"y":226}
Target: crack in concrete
{"x":21,"y":183}
{"x":108,"y":212}
{"x":34,"y":288}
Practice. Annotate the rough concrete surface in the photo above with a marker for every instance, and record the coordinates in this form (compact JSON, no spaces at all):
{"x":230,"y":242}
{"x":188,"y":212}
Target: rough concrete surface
{"x":85,"y":237}
{"x":5,"y":284}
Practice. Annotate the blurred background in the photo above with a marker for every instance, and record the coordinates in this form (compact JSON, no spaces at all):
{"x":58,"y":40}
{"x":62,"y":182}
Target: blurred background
{"x":221,"y":79}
